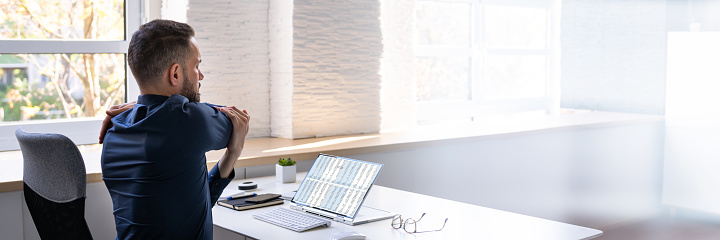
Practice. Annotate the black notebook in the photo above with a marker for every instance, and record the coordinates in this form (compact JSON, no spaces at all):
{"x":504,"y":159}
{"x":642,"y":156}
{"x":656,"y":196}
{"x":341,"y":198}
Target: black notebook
{"x":240,"y":204}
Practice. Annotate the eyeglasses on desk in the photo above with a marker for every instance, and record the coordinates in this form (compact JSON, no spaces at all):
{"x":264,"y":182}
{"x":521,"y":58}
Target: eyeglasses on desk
{"x":410,"y":224}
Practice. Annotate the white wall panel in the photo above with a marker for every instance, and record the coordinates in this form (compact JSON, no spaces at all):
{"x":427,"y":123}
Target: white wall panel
{"x":692,"y":156}
{"x":614,"y":55}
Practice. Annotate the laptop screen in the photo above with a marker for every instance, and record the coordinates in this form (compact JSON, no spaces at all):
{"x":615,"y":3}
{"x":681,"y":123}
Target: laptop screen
{"x":336,"y":184}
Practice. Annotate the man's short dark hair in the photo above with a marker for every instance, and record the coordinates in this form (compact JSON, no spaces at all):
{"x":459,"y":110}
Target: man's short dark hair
{"x":156,"y":46}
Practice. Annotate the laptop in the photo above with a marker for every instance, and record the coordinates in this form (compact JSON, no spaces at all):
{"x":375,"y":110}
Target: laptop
{"x":336,"y":187}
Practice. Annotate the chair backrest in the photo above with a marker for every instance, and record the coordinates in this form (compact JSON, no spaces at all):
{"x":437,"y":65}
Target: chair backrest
{"x":52,"y":166}
{"x":54,"y":185}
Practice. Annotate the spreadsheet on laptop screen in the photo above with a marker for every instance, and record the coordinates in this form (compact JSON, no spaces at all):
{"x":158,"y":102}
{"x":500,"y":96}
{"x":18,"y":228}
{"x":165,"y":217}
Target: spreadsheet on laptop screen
{"x":337,"y":184}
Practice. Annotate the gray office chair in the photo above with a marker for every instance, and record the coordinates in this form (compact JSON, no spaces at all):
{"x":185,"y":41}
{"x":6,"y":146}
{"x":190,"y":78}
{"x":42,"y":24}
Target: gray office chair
{"x":54,"y":184}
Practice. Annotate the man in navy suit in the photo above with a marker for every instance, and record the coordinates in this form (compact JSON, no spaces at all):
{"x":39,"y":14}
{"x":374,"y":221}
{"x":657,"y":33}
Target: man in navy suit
{"x":153,"y":159}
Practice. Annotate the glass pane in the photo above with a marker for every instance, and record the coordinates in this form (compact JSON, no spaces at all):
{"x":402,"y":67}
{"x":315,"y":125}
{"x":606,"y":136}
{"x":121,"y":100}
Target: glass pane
{"x":515,"y":27}
{"x":443,"y":78}
{"x":511,"y":76}
{"x":442,"y":23}
{"x":52,"y":86}
{"x":52,"y":19}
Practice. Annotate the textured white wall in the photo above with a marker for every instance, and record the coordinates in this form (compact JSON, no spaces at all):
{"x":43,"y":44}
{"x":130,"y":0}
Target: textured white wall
{"x":280,"y":16}
{"x":302,"y":69}
{"x":175,"y":10}
{"x":233,"y":39}
{"x":397,"y":66}
{"x":614,"y":55}
{"x":337,"y":46}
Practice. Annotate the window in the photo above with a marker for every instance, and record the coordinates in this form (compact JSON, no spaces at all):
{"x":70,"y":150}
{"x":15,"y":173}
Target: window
{"x":476,"y":58}
{"x":62,"y":64}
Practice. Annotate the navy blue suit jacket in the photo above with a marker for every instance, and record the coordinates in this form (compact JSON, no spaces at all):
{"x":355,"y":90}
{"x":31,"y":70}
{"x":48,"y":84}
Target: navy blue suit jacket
{"x":154,"y":167}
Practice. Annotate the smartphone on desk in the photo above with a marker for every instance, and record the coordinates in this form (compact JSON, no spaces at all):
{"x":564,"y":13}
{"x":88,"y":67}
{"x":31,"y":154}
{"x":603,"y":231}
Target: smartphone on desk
{"x":262,"y":198}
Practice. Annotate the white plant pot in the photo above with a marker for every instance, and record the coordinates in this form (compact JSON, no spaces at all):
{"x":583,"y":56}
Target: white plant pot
{"x":285,"y":174}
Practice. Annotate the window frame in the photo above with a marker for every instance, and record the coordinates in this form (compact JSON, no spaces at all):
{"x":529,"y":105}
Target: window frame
{"x":430,"y":111}
{"x":80,"y":130}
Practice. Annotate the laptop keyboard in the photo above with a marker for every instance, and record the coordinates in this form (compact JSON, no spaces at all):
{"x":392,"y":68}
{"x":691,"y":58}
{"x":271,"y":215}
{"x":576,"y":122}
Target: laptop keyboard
{"x":291,"y":219}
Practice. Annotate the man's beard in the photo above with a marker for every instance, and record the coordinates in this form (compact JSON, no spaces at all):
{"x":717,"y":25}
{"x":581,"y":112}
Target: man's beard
{"x":188,"y":90}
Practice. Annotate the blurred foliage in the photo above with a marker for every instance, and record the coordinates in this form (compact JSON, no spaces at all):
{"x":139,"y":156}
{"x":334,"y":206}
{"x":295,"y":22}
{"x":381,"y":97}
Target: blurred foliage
{"x":34,"y":99}
{"x":46,"y":86}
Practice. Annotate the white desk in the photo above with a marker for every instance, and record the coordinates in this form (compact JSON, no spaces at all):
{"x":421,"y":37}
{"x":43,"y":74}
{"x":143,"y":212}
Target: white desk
{"x":465,"y":221}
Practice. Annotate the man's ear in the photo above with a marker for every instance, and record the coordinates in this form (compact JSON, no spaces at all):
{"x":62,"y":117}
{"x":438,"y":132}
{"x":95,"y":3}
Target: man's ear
{"x":174,"y":73}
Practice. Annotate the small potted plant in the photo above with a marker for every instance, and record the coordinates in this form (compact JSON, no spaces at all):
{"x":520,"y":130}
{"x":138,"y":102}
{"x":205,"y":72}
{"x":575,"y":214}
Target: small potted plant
{"x":285,"y":171}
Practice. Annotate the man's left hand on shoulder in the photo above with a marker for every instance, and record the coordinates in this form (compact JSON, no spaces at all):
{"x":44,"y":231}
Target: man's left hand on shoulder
{"x":241,"y":126}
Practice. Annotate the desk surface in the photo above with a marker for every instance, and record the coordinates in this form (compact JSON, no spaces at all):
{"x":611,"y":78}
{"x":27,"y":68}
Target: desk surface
{"x":466,"y":221}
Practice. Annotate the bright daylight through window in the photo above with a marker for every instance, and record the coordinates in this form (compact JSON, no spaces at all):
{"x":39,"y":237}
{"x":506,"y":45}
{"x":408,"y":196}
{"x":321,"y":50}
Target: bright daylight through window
{"x":60,"y":60}
{"x":476,"y":58}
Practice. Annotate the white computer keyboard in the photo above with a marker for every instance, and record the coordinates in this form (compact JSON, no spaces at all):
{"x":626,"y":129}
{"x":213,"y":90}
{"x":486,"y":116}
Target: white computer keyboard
{"x":291,"y":219}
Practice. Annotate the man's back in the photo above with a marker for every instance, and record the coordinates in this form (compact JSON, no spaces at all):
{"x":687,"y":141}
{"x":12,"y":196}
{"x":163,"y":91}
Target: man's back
{"x":154,"y":166}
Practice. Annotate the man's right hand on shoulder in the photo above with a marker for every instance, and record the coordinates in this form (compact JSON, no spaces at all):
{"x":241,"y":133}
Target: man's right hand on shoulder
{"x":112,"y":112}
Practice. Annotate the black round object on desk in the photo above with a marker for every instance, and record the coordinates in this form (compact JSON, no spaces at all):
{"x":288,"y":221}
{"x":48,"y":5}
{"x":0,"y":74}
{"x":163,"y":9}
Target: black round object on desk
{"x":247,"y":186}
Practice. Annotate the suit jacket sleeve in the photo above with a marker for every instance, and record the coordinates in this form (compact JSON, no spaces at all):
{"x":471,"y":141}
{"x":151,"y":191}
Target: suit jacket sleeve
{"x":217,"y":184}
{"x":214,"y":136}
